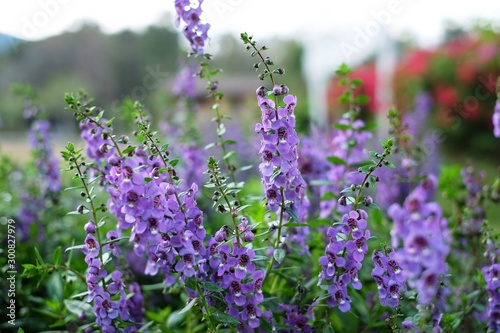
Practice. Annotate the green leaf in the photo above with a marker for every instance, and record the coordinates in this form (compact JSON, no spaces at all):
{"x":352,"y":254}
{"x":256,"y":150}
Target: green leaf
{"x":292,"y":214}
{"x":350,"y":200}
{"x":74,"y":247}
{"x":374,"y":206}
{"x":70,"y":147}
{"x":329,"y":196}
{"x":57,"y":256}
{"x":128,"y":150}
{"x":328,"y":329}
{"x":224,"y":318}
{"x":341,"y":126}
{"x":361,"y":99}
{"x":389,"y":164}
{"x":279,"y":255}
{"x":78,"y":307}
{"x":336,"y":160}
{"x":188,"y":306}
{"x":39,"y":257}
{"x":356,"y":83}
{"x":230,"y":142}
{"x":210,"y":286}
{"x":343,"y":69}
{"x":275,"y":174}
{"x":228,"y":155}
{"x":192,"y":283}
{"x":109,"y":122}
{"x":20,"y":330}
{"x":29,"y":271}
{"x":347,"y":189}
{"x":240,"y":208}
{"x":246,"y":167}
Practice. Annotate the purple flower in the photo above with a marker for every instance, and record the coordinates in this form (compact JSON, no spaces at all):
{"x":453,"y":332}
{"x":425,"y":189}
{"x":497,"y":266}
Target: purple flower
{"x":190,"y":14}
{"x":284,"y":186}
{"x":105,"y":311}
{"x":295,"y":319}
{"x":496,"y":120}
{"x":424,"y":233}
{"x":339,"y":297}
{"x":185,"y":81}
{"x":91,"y":247}
{"x":40,"y":194}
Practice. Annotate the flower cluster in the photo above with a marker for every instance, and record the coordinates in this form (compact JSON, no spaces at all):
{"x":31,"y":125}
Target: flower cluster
{"x":343,"y":257}
{"x":100,"y":148}
{"x":105,"y":310}
{"x":193,"y":158}
{"x":491,"y":274}
{"x":194,"y":29}
{"x":424,"y":234}
{"x":166,"y":223}
{"x":46,"y":162}
{"x":388,"y":275}
{"x":107,"y":307}
{"x":185,"y":82}
{"x":234,"y":271}
{"x":35,"y":199}
{"x":283,"y":183}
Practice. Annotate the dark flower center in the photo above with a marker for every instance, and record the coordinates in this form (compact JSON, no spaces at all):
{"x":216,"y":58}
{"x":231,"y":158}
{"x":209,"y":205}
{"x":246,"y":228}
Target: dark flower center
{"x":281,"y":133}
{"x":132,"y":196}
{"x":244,"y":259}
{"x":267,"y":155}
{"x":272,"y":194}
{"x":235,"y":287}
{"x":352,"y":223}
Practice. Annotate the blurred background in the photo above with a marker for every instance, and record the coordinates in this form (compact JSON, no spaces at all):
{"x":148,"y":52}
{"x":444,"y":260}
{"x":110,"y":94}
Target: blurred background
{"x":401,"y":49}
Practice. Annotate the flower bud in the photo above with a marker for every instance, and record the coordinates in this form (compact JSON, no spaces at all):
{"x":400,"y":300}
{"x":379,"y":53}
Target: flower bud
{"x":90,"y":227}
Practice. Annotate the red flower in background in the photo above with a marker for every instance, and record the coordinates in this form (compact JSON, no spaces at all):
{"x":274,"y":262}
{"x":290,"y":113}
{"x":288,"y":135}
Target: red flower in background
{"x":415,"y":63}
{"x":367,"y":74}
{"x":445,"y":95}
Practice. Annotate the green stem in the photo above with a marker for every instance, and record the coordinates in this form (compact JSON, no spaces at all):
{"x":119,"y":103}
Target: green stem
{"x":278,"y":238}
{"x":229,"y":206}
{"x":94,"y":213}
{"x":205,"y":305}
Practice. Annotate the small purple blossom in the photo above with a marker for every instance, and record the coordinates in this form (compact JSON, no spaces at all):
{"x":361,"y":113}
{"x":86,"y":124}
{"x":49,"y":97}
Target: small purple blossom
{"x":193,"y":28}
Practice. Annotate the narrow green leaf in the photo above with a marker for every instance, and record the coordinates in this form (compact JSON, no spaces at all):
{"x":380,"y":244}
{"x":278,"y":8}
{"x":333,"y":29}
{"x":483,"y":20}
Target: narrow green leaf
{"x":38,"y":256}
{"x":374,"y":206}
{"x":279,"y":255}
{"x":341,"y":126}
{"x":188,"y":306}
{"x":210,"y":286}
{"x":336,"y":160}
{"x":329,"y":196}
{"x":57,"y":256}
{"x":78,"y":307}
{"x":74,"y":247}
{"x":224,"y":318}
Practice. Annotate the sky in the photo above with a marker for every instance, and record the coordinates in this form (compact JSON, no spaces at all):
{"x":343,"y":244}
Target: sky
{"x":332,"y":31}
{"x":424,"y":19}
